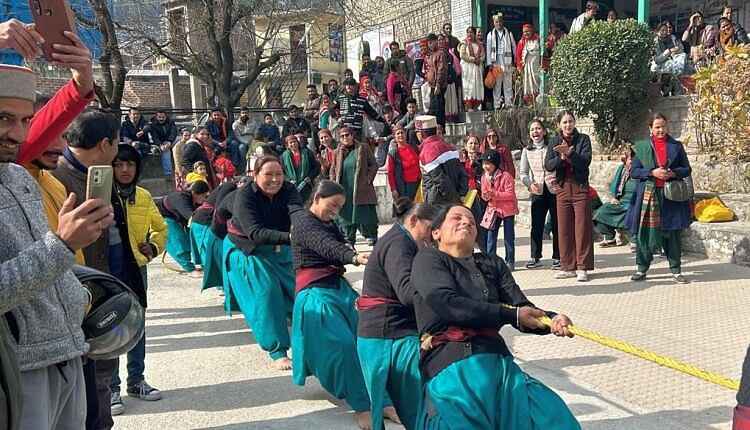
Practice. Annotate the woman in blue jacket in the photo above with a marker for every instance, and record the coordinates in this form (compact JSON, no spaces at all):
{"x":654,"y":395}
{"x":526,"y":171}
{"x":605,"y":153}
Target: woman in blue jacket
{"x":655,"y":219}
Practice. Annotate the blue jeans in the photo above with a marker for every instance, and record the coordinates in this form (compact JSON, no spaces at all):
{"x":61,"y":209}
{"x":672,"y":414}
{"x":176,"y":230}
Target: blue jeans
{"x":136,"y":356}
{"x":166,"y":162}
{"x":509,"y":239}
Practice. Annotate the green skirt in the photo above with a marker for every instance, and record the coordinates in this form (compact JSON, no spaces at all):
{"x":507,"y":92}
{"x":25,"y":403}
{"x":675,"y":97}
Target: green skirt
{"x":612,"y":215}
{"x":391,"y":371}
{"x":178,"y":244}
{"x":324,"y":341}
{"x":490,"y":392}
{"x":263,"y":285}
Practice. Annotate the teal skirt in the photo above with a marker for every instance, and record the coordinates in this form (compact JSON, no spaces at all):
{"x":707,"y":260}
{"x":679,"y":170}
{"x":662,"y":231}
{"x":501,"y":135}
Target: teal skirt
{"x":178,"y":244}
{"x":212,"y":256}
{"x":197,"y":236}
{"x":391,"y":371}
{"x":230,"y":303}
{"x":263,"y":285}
{"x":324,"y":337}
{"x":490,"y":391}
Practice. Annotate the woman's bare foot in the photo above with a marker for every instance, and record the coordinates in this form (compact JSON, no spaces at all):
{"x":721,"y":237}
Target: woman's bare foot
{"x":283,"y":363}
{"x":364,"y":420}
{"x":389,"y":412}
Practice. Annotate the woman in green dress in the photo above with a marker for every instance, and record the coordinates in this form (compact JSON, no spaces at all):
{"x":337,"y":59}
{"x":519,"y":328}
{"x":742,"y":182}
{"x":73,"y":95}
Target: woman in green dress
{"x":354,"y":167}
{"x":611,"y":216}
{"x":300,"y":166}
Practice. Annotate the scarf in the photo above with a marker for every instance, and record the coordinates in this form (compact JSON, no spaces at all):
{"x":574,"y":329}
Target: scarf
{"x":470,"y":46}
{"x":617,"y":187}
{"x":666,"y":43}
{"x":296,"y":174}
{"x":126,"y":192}
{"x":365,"y":92}
{"x":494,"y":47}
{"x":726,"y":37}
{"x":649,"y":226}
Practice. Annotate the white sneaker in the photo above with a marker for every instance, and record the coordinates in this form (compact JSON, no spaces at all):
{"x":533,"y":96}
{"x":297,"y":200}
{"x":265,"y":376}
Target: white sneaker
{"x":564,"y":275}
{"x":582,"y":276}
{"x":116,"y":405}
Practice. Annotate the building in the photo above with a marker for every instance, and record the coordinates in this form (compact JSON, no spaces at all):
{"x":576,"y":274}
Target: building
{"x":309,"y":42}
{"x":377,"y":22}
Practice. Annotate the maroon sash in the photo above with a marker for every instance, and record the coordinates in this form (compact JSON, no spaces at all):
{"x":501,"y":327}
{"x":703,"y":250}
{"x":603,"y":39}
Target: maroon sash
{"x":364,"y":303}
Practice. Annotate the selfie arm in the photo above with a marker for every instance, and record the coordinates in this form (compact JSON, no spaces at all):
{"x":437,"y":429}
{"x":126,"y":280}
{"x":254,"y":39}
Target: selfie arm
{"x":52,"y":120}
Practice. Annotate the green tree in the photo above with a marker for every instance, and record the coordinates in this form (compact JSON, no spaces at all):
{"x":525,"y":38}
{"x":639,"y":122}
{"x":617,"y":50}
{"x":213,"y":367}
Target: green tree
{"x":603,"y":71}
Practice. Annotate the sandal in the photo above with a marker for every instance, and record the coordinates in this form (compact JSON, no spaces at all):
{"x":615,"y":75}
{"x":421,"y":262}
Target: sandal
{"x":607,"y":243}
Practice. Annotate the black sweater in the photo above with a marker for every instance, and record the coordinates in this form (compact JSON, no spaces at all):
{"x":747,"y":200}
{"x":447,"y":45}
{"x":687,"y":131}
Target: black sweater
{"x":178,"y":206}
{"x":205,"y":215}
{"x":264,"y":221}
{"x":222,"y":214}
{"x":463,"y":293}
{"x":316,"y":243}
{"x":580,"y":158}
{"x":388,"y":274}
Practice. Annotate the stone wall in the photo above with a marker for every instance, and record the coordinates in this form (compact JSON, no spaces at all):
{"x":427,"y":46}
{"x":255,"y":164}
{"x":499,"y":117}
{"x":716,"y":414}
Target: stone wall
{"x":411,"y":20}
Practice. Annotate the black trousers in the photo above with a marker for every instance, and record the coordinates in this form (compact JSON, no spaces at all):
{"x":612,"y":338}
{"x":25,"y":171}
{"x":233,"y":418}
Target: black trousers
{"x":540,"y":206}
{"x":437,"y":105}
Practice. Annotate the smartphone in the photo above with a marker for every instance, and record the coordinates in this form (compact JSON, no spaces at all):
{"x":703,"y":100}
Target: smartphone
{"x":52,"y":18}
{"x":99,"y":183}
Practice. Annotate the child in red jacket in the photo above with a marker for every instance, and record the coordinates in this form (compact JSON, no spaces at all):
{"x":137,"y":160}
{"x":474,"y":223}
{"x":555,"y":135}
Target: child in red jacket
{"x":499,"y":191}
{"x":223,"y":166}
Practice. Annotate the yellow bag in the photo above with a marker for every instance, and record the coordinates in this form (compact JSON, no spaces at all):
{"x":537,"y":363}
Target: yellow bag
{"x":469,"y":198}
{"x":713,"y":210}
{"x":419,"y":197}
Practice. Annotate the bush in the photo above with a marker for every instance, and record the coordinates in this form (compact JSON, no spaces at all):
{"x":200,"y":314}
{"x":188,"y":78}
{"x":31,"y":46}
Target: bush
{"x":720,"y":111}
{"x":603,"y":71}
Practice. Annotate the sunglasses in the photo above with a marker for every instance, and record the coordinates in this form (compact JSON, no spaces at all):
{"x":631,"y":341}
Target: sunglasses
{"x":344,"y":135}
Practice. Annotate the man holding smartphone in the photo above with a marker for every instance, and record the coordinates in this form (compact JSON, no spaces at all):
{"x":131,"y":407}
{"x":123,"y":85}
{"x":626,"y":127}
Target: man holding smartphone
{"x":93,"y":140}
{"x":36,"y":284}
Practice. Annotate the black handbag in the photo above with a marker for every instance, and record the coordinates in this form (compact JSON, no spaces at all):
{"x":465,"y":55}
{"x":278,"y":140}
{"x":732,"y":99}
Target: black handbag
{"x":676,"y":190}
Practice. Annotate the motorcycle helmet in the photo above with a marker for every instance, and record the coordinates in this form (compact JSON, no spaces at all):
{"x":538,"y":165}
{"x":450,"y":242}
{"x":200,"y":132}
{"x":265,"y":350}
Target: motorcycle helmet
{"x":114,"y":322}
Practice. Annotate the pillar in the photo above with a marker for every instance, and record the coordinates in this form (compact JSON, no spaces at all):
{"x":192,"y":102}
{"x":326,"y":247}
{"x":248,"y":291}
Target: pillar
{"x":643,"y":11}
{"x":478,"y":14}
{"x":196,"y":97}
{"x":174,"y":87}
{"x":543,"y":26}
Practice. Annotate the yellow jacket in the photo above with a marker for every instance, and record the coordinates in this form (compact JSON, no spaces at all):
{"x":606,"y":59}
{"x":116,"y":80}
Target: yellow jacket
{"x":53,"y":195}
{"x":145,"y":224}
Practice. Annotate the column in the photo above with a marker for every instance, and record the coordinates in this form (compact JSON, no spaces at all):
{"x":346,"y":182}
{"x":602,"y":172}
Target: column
{"x":174,"y":87}
{"x":543,"y":26}
{"x":479,"y":14}
{"x":643,"y":11}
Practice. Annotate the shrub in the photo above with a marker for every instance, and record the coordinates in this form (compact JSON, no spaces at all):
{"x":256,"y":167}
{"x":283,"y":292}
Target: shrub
{"x":603,"y":71}
{"x":720,"y":110}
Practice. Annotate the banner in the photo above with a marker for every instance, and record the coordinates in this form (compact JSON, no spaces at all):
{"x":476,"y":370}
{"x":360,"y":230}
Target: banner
{"x":336,"y":43}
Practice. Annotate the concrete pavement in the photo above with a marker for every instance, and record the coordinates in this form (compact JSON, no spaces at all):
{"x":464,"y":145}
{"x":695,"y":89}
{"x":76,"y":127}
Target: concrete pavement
{"x":214,"y":376}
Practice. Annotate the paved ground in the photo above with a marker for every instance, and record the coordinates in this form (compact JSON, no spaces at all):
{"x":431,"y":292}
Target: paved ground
{"x":214,"y":376}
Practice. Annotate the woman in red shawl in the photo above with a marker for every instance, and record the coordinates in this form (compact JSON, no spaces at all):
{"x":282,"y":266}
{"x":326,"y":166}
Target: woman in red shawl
{"x":529,"y":60}
{"x":369,"y":92}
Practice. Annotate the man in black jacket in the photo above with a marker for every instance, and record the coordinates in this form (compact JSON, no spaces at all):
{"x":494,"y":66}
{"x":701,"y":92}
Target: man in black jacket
{"x":353,"y":107}
{"x":295,"y":124}
{"x":132,"y":131}
{"x":163,"y":132}
{"x":444,"y":178}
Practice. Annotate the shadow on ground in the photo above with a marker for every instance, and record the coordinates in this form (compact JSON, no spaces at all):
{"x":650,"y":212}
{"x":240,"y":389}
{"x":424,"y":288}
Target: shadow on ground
{"x":228,"y":396}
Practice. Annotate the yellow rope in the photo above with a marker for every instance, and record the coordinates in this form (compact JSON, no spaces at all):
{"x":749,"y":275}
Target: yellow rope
{"x":167,"y":266}
{"x":651,"y":356}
